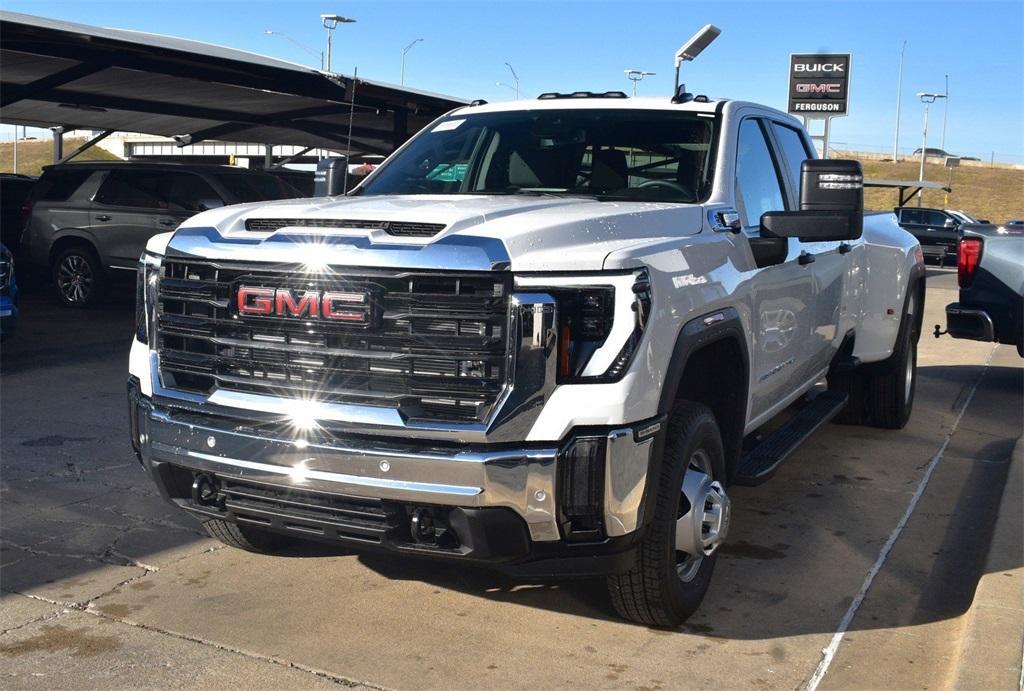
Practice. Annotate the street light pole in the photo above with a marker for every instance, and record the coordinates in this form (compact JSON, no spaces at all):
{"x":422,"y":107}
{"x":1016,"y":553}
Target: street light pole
{"x":330,"y":22}
{"x":317,"y":54}
{"x":515,"y":78}
{"x":899,"y":93}
{"x":507,"y":86}
{"x":636,"y":76}
{"x":927,"y":99}
{"x":945,"y":114}
{"x":404,"y":51}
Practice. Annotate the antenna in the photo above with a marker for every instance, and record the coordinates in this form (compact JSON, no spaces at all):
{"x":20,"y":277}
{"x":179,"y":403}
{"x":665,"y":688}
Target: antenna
{"x":351,"y":117}
{"x":694,"y":47}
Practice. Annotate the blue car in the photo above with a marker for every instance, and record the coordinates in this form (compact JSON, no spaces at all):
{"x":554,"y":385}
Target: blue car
{"x":8,"y":294}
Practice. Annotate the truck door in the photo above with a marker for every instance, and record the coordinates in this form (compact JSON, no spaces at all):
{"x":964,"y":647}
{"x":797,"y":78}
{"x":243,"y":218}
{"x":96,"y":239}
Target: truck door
{"x":781,"y":289}
{"x":830,"y":263}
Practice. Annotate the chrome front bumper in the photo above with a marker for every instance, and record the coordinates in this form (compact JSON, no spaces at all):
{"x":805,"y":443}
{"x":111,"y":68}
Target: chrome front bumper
{"x":412,"y":472}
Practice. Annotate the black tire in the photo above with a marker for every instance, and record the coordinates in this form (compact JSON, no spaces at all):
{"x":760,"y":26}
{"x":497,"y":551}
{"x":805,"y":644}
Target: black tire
{"x":652,"y":592}
{"x":851,"y":383}
{"x":889,"y":391}
{"x":882,"y":394}
{"x":247,"y":537}
{"x":78,"y":277}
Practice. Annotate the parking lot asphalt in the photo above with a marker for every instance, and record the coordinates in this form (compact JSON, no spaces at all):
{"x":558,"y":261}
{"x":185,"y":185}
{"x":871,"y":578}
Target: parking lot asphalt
{"x":854,"y":567}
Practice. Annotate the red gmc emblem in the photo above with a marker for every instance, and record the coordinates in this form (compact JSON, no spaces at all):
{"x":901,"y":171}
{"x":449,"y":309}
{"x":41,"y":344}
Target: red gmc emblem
{"x":334,"y":305}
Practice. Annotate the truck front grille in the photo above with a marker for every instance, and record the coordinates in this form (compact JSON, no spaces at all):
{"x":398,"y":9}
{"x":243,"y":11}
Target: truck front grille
{"x":431,"y":345}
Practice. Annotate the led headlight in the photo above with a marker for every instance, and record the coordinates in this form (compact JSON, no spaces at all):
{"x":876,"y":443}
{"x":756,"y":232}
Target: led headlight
{"x":595,"y":318}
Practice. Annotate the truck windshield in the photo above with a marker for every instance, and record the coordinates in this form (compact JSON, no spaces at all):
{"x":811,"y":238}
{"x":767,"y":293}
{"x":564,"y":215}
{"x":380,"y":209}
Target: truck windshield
{"x":607,"y":154}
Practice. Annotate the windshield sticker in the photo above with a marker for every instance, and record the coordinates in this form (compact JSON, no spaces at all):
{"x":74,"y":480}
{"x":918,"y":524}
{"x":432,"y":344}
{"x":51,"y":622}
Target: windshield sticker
{"x":449,"y":172}
{"x":447,"y":125}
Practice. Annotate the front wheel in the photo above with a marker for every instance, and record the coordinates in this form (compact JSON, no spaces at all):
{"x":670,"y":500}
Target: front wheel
{"x":247,"y":537}
{"x":672,"y":566}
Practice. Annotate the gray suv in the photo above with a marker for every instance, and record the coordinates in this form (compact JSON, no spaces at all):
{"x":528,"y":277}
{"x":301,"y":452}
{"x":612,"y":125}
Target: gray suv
{"x":86,"y":220}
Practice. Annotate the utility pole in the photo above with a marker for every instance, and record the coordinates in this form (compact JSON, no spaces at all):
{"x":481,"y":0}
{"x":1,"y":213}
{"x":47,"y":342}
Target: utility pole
{"x":404,"y":51}
{"x":945,"y":114}
{"x":515,"y":79}
{"x":330,"y":22}
{"x":899,"y":93}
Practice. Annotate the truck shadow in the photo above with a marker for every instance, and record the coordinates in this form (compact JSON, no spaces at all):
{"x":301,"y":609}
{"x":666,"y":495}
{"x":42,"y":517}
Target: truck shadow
{"x":801,"y":547}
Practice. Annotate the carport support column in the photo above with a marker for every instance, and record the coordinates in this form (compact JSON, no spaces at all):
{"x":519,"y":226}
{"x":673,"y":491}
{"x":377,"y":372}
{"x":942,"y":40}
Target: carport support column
{"x":268,"y":157}
{"x":58,"y":143}
{"x":401,"y":130}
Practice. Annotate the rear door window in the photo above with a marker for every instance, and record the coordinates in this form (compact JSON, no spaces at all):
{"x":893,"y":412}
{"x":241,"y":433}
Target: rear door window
{"x":189,"y":192}
{"x":911,"y":216}
{"x":253,"y":187}
{"x":136,"y":189}
{"x":794,"y":152}
{"x":758,"y":187}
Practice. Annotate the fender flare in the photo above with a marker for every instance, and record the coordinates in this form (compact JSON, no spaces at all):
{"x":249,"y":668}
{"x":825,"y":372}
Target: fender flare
{"x":916,"y":281}
{"x":694,"y":335}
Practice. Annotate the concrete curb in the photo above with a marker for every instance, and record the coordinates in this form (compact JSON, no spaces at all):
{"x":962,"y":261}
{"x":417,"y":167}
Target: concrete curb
{"x":993,"y":637}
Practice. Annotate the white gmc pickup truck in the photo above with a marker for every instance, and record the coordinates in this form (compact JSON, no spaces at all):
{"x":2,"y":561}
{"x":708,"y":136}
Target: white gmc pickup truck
{"x":545,"y":336}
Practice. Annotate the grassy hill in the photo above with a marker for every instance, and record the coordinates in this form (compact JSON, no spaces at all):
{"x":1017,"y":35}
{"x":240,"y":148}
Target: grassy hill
{"x":33,"y":155}
{"x":993,"y":193}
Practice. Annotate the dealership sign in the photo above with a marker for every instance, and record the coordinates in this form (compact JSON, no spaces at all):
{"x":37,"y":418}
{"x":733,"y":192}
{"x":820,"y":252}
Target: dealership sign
{"x":819,"y":84}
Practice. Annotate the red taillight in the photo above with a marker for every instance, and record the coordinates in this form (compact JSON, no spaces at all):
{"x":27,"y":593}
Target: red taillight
{"x":967,"y":265}
{"x":26,"y":212}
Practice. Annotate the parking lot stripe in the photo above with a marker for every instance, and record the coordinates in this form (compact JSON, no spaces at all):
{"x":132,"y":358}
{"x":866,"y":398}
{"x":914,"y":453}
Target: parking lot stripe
{"x":829,"y":653}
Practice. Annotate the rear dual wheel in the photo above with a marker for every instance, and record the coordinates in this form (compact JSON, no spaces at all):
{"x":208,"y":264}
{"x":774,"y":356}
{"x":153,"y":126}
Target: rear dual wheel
{"x":882,"y":394}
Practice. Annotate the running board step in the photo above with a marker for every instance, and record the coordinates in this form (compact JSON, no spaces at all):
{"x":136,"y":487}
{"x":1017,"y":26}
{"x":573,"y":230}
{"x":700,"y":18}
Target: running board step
{"x":761,"y":462}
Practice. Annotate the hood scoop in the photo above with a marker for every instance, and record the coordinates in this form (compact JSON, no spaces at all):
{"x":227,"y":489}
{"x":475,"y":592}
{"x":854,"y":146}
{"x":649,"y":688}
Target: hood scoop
{"x":398,"y":228}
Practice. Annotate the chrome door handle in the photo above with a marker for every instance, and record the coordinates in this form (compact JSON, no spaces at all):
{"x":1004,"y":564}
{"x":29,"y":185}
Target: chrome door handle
{"x":722,"y":220}
{"x":103,"y":217}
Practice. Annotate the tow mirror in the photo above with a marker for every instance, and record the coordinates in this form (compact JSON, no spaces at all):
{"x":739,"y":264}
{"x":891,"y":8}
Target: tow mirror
{"x":831,"y":204}
{"x":330,"y":177}
{"x":950,"y":223}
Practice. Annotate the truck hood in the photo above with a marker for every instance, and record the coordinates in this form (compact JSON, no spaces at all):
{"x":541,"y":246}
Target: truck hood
{"x":521,"y":233}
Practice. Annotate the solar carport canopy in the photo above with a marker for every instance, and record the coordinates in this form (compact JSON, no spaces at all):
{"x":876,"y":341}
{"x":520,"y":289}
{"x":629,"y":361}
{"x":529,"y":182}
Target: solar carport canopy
{"x":61,"y":74}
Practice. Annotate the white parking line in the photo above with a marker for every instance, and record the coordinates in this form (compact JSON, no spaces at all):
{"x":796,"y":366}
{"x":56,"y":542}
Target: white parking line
{"x":829,"y":653}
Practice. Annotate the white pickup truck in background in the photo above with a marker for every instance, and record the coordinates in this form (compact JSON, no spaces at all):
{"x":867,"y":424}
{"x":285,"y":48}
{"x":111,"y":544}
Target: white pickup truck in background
{"x":545,"y":336}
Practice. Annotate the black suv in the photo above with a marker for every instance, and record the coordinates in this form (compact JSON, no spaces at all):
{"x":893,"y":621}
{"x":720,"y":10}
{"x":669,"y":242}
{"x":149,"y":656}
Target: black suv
{"x":86,"y":219}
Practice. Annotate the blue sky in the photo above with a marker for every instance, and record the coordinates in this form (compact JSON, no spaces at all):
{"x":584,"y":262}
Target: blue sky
{"x":567,"y":46}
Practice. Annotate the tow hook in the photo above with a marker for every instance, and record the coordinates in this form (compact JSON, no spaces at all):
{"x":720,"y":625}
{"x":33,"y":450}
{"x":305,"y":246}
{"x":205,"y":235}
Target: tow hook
{"x":938,"y":331}
{"x":206,"y":490}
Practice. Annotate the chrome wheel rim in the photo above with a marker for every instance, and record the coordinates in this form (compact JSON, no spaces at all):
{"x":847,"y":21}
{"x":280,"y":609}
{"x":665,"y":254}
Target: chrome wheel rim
{"x":703,"y":517}
{"x":74,"y":278}
{"x":908,"y":368}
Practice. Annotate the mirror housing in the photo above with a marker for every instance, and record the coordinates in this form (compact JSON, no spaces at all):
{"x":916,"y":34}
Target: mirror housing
{"x":950,"y":223}
{"x":831,"y":204}
{"x":329,"y":179}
